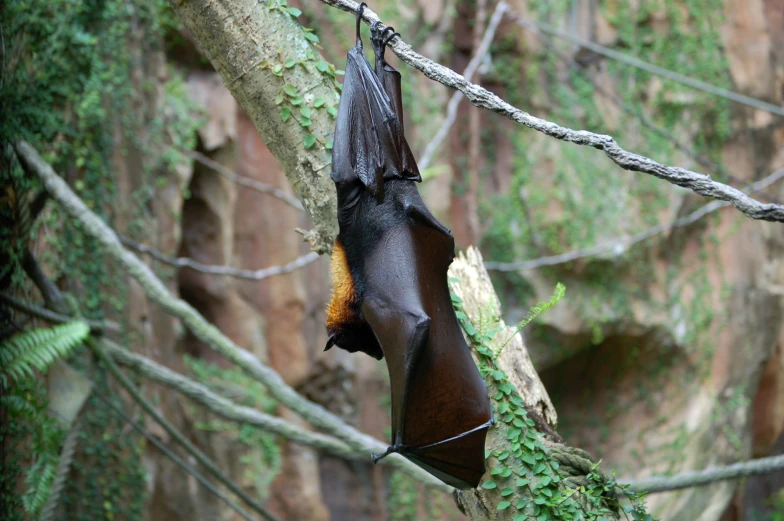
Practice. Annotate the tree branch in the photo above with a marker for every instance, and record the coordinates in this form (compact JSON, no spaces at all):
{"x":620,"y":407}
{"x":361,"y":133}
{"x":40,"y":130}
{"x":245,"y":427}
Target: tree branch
{"x":178,"y":460}
{"x":96,"y":327}
{"x":243,"y":180}
{"x":451,"y":108}
{"x":619,"y":246}
{"x":197,"y":392}
{"x":203,"y":330}
{"x":480,"y":97}
{"x":709,"y":475}
{"x":226,"y":408}
{"x":185,"y":262}
{"x":248,"y":43}
{"x":175,"y":433}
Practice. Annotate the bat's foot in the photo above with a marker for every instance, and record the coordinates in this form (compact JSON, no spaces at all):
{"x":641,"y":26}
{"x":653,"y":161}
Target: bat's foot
{"x":360,"y":9}
{"x":378,"y":457}
{"x":379,"y":39}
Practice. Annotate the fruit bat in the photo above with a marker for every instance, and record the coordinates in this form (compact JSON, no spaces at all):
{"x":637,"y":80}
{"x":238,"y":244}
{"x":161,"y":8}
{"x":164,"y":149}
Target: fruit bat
{"x":389,"y":268}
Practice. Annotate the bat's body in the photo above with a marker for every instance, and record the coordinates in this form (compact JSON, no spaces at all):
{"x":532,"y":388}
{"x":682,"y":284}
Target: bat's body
{"x":391,"y":297}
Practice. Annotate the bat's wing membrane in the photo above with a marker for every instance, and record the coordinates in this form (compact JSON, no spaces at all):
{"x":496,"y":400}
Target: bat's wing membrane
{"x":440,"y":409}
{"x":458,"y":461}
{"x":364,"y":147}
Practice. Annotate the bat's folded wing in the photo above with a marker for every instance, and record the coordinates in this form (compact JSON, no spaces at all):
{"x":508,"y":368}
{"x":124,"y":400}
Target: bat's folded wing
{"x":364,"y":146}
{"x":390,"y":79}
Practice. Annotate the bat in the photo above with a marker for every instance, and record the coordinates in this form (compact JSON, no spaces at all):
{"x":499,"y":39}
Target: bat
{"x":390,"y":294}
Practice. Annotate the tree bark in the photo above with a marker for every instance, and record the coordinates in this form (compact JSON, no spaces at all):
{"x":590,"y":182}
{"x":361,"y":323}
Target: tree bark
{"x":249,"y":45}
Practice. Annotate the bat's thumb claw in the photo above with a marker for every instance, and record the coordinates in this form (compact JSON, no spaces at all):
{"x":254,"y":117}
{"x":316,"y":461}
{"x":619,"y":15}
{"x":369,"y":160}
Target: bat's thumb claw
{"x":377,"y":457}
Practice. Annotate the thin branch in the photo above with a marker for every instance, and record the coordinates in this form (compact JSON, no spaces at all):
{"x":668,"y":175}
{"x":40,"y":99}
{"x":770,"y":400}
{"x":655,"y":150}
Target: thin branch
{"x":96,"y":326}
{"x":643,"y":119}
{"x":185,"y":262}
{"x":175,"y":433}
{"x":178,"y":460}
{"x":197,"y":392}
{"x":49,"y":509}
{"x":224,"y":407}
{"x":699,"y":183}
{"x":619,"y":246}
{"x":710,"y":475}
{"x":454,"y":101}
{"x":243,"y":180}
{"x":202,"y":329}
{"x":535,"y":25}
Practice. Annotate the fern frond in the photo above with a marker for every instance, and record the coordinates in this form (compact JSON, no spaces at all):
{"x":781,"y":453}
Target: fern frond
{"x":38,"y":349}
{"x":39,"y":483}
{"x":18,"y":406}
{"x":536,"y":310}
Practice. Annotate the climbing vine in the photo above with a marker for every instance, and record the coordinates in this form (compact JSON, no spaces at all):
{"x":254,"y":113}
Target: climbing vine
{"x":534,"y":477}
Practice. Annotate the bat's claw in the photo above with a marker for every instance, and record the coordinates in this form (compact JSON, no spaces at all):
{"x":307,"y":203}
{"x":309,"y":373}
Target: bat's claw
{"x":378,"y":457}
{"x":377,"y":38}
{"x":360,"y":9}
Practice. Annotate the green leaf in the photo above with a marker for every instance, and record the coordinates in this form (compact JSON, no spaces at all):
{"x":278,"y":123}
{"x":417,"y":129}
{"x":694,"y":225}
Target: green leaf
{"x":332,"y":111}
{"x":541,"y":307}
{"x":329,"y":144}
{"x":540,"y":467}
{"x":305,"y":122}
{"x":291,"y":62}
{"x":503,"y":505}
{"x":297,"y":101}
{"x":529,"y":458}
{"x":305,"y":111}
{"x":340,"y":72}
{"x":277,"y":70}
{"x":278,"y":99}
{"x":496,"y":471}
{"x":521,"y":482}
{"x":506,"y":472}
{"x":545,"y":481}
{"x":520,"y":517}
{"x":309,"y":140}
{"x":489,"y":485}
{"x":290,"y":89}
{"x":508,"y":491}
{"x":285,"y":113}
{"x":293,"y":11}
{"x":322,"y":66}
{"x":503,"y":455}
{"x":319,"y":102}
{"x":312,"y":37}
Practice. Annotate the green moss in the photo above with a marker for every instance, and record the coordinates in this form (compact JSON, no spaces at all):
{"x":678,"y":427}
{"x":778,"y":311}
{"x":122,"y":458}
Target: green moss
{"x":73,"y":87}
